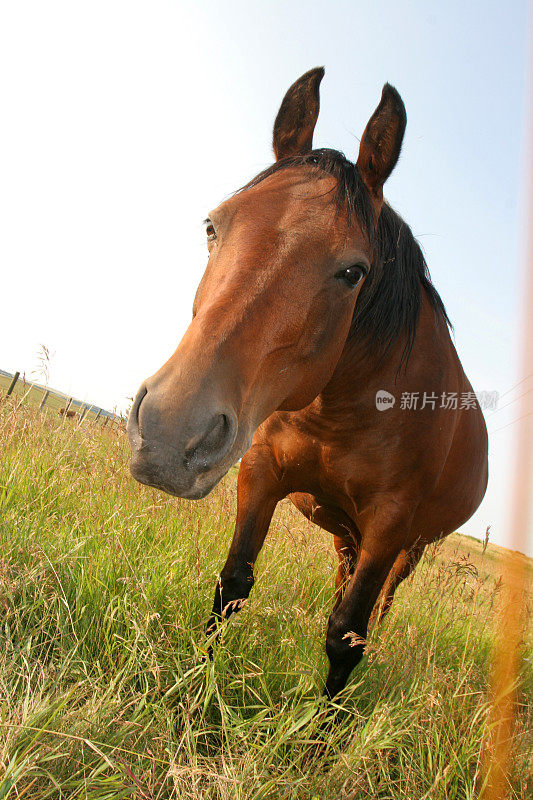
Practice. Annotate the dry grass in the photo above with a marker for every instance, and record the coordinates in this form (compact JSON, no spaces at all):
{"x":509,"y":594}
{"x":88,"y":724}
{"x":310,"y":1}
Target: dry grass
{"x":104,"y":689}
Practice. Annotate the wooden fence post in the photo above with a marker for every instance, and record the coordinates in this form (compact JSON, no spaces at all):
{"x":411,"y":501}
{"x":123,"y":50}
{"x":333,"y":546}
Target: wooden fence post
{"x":68,"y":405}
{"x":13,"y":383}
{"x":45,"y":398}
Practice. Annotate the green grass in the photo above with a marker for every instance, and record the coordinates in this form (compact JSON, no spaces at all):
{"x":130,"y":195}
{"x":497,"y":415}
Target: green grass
{"x":105,"y":587}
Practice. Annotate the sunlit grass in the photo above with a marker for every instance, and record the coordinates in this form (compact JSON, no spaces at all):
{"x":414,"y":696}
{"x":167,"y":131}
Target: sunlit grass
{"x":105,"y":692}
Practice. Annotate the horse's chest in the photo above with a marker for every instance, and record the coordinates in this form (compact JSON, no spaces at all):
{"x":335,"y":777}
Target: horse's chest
{"x":310,"y":463}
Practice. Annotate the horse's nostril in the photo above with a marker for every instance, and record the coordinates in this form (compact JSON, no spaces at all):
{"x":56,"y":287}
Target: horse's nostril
{"x":134,"y":432}
{"x":216,"y":435}
{"x":209,"y":448}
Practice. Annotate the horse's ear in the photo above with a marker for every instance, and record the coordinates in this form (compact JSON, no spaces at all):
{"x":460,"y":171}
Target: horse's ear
{"x":297,"y":116}
{"x":382,"y":140}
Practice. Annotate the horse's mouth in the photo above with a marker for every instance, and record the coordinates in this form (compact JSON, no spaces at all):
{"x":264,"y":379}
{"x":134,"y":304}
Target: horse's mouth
{"x":172,"y":481}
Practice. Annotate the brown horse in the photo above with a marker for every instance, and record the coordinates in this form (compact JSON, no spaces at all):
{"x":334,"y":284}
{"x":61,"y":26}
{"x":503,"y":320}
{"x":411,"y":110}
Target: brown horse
{"x":320,"y":350}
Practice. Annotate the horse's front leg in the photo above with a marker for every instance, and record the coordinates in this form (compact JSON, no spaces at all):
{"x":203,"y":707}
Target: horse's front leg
{"x":258,"y":492}
{"x":348,"y":623}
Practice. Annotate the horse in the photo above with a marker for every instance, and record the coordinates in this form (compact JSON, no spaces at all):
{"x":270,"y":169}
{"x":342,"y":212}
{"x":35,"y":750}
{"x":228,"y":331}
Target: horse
{"x":320,"y":352}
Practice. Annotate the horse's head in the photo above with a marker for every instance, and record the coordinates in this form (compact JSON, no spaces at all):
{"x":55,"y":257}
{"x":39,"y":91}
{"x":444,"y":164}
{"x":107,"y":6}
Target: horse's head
{"x":288,"y":256}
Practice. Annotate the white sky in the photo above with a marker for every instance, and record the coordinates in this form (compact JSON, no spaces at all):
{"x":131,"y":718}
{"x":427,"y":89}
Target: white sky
{"x":124,"y":123}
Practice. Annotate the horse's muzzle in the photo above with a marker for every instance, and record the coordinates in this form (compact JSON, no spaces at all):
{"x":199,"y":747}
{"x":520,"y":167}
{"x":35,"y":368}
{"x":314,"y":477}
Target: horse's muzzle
{"x":182,"y":448}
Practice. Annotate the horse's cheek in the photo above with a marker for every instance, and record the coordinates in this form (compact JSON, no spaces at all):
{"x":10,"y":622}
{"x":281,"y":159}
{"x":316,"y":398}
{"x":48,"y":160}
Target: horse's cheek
{"x":316,"y":364}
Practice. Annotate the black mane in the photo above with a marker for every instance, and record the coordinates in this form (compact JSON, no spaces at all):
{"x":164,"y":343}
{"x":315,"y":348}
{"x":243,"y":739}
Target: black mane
{"x":390,"y":300}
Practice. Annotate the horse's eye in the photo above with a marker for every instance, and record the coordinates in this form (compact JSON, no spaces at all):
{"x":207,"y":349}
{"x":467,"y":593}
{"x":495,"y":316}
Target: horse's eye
{"x":352,"y":275}
{"x":210,"y":232}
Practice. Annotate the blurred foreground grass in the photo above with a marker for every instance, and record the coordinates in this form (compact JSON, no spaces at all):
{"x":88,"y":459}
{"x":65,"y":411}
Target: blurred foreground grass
{"x":105,"y":587}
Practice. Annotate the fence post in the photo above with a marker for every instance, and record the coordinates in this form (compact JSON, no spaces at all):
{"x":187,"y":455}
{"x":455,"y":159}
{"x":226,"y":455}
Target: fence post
{"x":45,"y":398}
{"x":99,"y":412}
{"x":68,"y":405}
{"x":13,"y":383}
{"x":83,"y":412}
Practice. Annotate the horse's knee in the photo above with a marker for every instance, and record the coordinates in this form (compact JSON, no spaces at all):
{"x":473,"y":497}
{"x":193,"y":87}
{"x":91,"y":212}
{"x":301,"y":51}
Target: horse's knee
{"x":237,"y":584}
{"x":345,"y":645}
{"x":232,"y":590}
{"x":344,"y":641}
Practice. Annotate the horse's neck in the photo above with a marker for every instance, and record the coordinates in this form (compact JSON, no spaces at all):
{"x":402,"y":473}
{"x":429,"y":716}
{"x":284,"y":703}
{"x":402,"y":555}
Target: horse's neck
{"x":363,"y":369}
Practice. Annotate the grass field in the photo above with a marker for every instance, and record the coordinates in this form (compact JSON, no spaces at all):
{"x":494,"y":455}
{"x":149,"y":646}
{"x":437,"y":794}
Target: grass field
{"x":105,"y":587}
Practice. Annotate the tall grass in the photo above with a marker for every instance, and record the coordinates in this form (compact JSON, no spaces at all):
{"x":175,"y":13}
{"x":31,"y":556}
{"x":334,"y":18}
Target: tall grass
{"x":105,"y":692}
